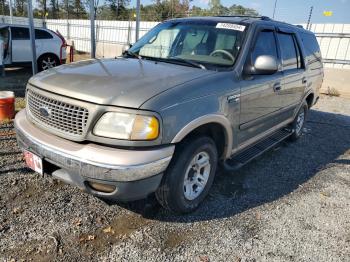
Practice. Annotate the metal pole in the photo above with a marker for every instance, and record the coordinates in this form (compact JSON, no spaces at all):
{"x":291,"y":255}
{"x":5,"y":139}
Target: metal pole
{"x":32,"y":37}
{"x":68,"y":29}
{"x":309,"y":19}
{"x":92,"y":29}
{"x":11,"y":15}
{"x":137,"y":30}
{"x":274,"y":10}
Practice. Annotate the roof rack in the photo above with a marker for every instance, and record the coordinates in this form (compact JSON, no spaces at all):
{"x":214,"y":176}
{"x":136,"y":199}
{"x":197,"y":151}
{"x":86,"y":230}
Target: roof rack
{"x":247,"y":16}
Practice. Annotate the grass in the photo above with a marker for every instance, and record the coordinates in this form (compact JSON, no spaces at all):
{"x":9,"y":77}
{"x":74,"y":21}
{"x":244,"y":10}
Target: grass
{"x":5,"y":121}
{"x":20,"y":103}
{"x":333,"y":92}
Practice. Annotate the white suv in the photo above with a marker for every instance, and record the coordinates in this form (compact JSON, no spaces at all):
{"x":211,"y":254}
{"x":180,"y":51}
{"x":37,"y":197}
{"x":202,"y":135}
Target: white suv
{"x":50,"y":46}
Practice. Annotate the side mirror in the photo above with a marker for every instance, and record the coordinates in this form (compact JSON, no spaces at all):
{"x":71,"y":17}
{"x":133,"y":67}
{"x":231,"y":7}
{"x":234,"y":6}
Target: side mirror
{"x":263,"y":65}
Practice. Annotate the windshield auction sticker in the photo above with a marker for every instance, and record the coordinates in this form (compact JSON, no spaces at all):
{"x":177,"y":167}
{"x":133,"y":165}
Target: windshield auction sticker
{"x":230,"y":26}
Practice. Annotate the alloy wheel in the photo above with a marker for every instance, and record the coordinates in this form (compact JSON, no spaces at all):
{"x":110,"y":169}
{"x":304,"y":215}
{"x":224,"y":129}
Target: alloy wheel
{"x":197,"y":175}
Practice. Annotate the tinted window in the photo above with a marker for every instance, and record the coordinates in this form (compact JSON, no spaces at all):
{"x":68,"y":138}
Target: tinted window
{"x":20,"y":33}
{"x":265,"y":45}
{"x":41,"y":34}
{"x":288,"y":51}
{"x":312,"y":48}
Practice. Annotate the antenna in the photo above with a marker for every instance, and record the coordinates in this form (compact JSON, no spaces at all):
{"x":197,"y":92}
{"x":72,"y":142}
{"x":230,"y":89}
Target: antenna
{"x":308,"y":26}
{"x":274,"y":10}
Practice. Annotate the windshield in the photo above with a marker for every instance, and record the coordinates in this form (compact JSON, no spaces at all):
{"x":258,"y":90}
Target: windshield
{"x":205,"y":44}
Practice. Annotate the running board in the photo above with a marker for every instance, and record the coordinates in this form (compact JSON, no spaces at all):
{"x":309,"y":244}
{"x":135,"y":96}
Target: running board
{"x":247,"y":155}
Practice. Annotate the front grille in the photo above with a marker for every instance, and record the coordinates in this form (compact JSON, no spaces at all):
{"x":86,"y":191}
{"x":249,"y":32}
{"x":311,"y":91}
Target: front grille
{"x":61,"y":116}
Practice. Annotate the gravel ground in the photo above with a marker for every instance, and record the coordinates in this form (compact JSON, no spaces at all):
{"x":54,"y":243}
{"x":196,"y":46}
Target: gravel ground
{"x":291,"y":204}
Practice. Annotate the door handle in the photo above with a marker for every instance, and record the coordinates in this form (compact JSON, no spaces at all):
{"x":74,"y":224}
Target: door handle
{"x":277,"y":87}
{"x":233,"y":98}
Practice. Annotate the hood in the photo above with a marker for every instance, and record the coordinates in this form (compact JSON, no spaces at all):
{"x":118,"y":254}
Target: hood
{"x":124,"y":82}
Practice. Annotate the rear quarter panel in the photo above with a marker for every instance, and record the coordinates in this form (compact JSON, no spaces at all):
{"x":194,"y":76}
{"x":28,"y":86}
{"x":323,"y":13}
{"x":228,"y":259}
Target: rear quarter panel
{"x":52,"y":45}
{"x":314,"y":70}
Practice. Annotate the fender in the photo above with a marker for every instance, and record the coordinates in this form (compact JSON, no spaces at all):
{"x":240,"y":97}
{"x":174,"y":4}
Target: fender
{"x":302,"y":102}
{"x":209,"y":119}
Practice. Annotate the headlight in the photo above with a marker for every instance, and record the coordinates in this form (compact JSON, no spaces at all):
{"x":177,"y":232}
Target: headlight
{"x":127,"y":126}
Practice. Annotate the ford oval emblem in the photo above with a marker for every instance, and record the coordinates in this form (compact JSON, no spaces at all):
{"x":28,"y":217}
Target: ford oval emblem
{"x":45,"y":112}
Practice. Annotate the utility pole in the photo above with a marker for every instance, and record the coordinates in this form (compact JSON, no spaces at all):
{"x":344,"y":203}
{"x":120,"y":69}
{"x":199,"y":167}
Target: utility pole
{"x":11,"y":15}
{"x":137,"y":29}
{"x":274,"y":10}
{"x":32,"y":37}
{"x":92,"y":29}
{"x":309,"y":20}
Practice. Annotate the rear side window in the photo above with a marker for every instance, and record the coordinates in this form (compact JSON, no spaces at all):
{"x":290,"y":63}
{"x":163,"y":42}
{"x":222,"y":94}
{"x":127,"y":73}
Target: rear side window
{"x":20,"y":33}
{"x":265,"y":45}
{"x":42,"y":34}
{"x":312,"y":48}
{"x":289,"y":51}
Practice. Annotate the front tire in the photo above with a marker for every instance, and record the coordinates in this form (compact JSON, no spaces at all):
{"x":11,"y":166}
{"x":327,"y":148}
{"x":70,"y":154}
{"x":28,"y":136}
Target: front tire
{"x":189,"y":176}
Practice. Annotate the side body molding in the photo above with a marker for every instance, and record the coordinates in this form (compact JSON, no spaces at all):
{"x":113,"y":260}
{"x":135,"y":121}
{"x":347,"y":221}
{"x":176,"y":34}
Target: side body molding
{"x":208,"y":119}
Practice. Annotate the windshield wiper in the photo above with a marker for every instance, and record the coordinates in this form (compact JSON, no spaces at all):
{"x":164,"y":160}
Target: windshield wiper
{"x":132,"y":54}
{"x":189,"y":62}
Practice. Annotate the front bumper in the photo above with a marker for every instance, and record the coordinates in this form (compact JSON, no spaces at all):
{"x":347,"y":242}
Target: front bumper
{"x":134,"y":173}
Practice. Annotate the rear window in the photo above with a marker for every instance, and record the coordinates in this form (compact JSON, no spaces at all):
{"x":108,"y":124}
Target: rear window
{"x":42,"y":34}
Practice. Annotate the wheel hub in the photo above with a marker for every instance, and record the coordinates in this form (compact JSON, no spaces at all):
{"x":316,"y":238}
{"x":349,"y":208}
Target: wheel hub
{"x":48,"y":63}
{"x":197,"y":175}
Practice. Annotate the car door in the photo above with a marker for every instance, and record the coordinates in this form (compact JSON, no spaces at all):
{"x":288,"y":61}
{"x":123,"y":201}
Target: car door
{"x":5,"y":37}
{"x":260,"y":99}
{"x":21,"y":46}
{"x":294,"y":76}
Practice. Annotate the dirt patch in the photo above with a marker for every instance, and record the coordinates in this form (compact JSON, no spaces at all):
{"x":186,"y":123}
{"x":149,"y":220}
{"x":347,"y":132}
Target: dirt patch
{"x":336,"y":82}
{"x":120,"y":228}
{"x":291,"y":204}
{"x":174,"y":239}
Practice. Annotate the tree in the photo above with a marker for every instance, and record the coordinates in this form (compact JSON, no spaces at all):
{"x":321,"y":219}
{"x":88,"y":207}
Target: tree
{"x":20,"y":8}
{"x":4,"y":7}
{"x":42,"y":4}
{"x":55,"y":10}
{"x":215,"y":7}
{"x":241,"y":10}
{"x":119,"y":8}
{"x":159,"y":10}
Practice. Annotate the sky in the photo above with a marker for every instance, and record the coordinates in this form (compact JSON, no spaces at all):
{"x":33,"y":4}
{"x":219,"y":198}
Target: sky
{"x":291,"y":11}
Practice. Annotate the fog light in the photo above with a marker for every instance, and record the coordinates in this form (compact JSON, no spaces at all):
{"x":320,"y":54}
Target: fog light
{"x":105,"y":188}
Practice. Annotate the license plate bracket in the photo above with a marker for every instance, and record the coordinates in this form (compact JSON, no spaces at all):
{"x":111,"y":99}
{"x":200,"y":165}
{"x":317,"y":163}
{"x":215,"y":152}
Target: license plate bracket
{"x":34,"y":162}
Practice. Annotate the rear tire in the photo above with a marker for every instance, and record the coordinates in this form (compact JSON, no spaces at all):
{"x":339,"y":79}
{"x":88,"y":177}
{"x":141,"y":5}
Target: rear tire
{"x":47,"y":61}
{"x":299,"y":122}
{"x":189,"y":176}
